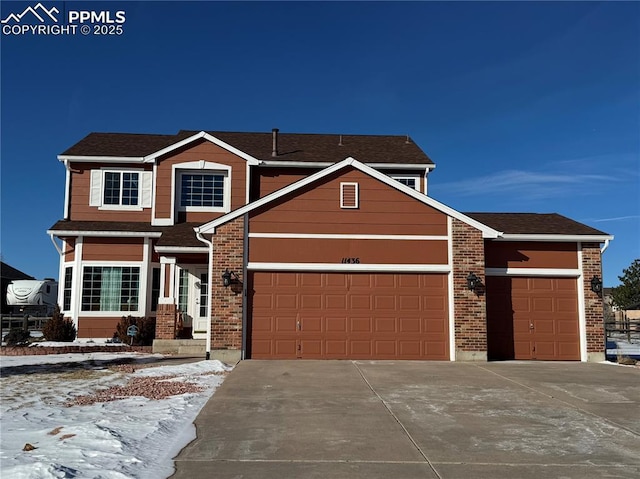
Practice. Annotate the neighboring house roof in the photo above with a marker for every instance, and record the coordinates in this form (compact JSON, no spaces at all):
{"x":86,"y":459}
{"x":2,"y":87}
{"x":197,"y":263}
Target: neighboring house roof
{"x":180,"y":235}
{"x":535,"y":224}
{"x":292,"y":147}
{"x":11,"y":273}
{"x":487,"y":232}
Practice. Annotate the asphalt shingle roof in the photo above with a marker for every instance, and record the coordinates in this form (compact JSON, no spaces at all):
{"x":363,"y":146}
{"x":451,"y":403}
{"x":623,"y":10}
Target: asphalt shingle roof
{"x":291,"y":146}
{"x":181,"y":234}
{"x":534,"y":223}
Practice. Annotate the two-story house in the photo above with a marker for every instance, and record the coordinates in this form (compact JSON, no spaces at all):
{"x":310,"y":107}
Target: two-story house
{"x":272,"y":245}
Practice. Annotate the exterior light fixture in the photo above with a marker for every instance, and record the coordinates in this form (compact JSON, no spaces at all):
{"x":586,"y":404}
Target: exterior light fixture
{"x":472,"y":281}
{"x":228,"y":277}
{"x":596,"y":285}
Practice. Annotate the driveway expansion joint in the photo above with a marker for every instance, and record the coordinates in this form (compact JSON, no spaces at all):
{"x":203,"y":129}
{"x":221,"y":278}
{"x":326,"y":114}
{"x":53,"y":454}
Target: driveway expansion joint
{"x":386,"y":406}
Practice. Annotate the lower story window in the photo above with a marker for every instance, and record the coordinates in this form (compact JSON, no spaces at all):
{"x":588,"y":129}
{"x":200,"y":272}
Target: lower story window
{"x":66,"y":294}
{"x":155,"y":288}
{"x":110,"y":288}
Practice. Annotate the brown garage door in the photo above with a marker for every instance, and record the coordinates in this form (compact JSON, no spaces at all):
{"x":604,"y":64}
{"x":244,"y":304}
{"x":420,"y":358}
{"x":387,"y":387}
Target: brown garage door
{"x":532,"y":318}
{"x":348,"y":316}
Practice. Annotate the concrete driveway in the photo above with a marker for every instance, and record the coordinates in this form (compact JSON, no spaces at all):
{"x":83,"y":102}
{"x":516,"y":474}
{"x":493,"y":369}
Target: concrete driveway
{"x":414,"y":419}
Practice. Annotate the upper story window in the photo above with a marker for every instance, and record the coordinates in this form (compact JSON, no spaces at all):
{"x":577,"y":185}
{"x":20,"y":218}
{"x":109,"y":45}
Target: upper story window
{"x":120,"y":189}
{"x":202,"y":186}
{"x":202,"y":190}
{"x":410,"y":181}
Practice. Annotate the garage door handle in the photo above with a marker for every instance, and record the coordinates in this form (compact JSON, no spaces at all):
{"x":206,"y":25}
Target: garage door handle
{"x":531,"y":326}
{"x":299,"y":326}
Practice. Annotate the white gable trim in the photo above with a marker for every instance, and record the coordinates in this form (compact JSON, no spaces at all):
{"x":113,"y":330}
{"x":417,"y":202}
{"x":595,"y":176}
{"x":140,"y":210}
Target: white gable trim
{"x":206,"y":136}
{"x":486,"y":231}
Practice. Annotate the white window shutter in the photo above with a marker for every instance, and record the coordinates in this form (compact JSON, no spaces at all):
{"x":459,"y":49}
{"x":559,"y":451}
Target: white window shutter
{"x":95,"y":195}
{"x":147,"y":180}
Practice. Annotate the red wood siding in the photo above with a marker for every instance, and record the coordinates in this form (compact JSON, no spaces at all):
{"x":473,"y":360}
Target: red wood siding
{"x":112,"y":249}
{"x":272,"y":179}
{"x":348,"y":316}
{"x":382,"y":210}
{"x":97,"y":327}
{"x":503,"y":254}
{"x":304,"y":250}
{"x":79,"y":199}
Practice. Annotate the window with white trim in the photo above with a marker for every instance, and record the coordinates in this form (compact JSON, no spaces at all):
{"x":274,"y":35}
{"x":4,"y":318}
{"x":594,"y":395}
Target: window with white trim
{"x":110,"y":288}
{"x":155,"y":288}
{"x":67,"y":287}
{"x":410,"y":181}
{"x":120,"y":189}
{"x":203,"y":191}
{"x":349,"y":195}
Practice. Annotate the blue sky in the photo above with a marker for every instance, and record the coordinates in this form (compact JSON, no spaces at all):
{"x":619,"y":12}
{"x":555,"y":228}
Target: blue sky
{"x":530,"y":107}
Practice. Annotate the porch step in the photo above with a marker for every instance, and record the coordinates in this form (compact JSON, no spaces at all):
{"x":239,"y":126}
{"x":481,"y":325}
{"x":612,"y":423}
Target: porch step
{"x":182,"y":347}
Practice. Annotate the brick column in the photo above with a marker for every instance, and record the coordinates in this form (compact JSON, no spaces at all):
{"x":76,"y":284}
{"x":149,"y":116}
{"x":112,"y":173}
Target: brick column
{"x":593,"y":306}
{"x":469,"y":306}
{"x":226,"y":303}
{"x":166,"y":321}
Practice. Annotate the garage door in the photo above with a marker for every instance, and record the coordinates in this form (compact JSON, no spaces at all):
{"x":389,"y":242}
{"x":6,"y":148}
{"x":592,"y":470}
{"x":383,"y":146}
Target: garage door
{"x":532,"y":318}
{"x":348,"y":316}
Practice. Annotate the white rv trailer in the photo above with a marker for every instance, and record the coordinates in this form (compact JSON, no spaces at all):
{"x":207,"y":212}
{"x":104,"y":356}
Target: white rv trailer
{"x":33,"y":296}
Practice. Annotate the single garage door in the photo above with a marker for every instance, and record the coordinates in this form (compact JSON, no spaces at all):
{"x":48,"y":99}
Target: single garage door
{"x":348,"y":316}
{"x":532,"y":318}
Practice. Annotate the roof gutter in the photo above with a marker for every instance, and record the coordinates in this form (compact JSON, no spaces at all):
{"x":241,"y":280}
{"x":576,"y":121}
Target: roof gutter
{"x":555,"y":237}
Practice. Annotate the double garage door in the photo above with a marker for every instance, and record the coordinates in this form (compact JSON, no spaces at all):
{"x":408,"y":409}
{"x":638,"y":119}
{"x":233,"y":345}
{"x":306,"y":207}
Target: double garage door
{"x":532,"y":318}
{"x":348,"y":316}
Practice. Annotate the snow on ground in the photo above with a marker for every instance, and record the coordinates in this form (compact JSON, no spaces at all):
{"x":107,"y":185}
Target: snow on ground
{"x":124,"y":437}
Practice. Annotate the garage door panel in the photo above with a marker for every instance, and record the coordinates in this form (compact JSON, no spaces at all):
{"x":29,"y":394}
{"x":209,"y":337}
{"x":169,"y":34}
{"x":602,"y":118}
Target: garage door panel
{"x":286,"y":301}
{"x":360,"y":325}
{"x":409,"y":325}
{"x":408,"y":281}
{"x":311,"y":324}
{"x":283,"y":280}
{"x":264,"y":324}
{"x":359,"y":316}
{"x":335,"y":301}
{"x":385,"y":325}
{"x":285,"y":324}
{"x":409,"y":303}
{"x":336,"y":325}
{"x":385,"y":348}
{"x":385,"y":302}
{"x":360,"y":348}
{"x":532,"y":318}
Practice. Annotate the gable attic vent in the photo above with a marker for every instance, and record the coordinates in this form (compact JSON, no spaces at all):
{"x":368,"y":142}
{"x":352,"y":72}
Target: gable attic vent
{"x":348,"y":195}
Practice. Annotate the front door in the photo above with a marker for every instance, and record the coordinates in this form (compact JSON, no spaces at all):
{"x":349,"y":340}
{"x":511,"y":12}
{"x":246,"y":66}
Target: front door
{"x":193,"y":287}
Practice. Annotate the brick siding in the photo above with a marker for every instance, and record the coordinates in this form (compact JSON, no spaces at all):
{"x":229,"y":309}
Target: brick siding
{"x":166,"y":321}
{"x":594,"y":309}
{"x":226,"y":303}
{"x":469,"y":307}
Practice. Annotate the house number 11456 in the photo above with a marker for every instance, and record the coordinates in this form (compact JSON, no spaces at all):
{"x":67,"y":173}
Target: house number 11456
{"x":350,"y":260}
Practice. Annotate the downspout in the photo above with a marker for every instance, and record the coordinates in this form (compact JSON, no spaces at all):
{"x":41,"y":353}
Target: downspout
{"x":210,"y":305}
{"x":245,"y":262}
{"x":604,"y":246}
{"x":67,"y":189}
{"x":58,"y":249}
